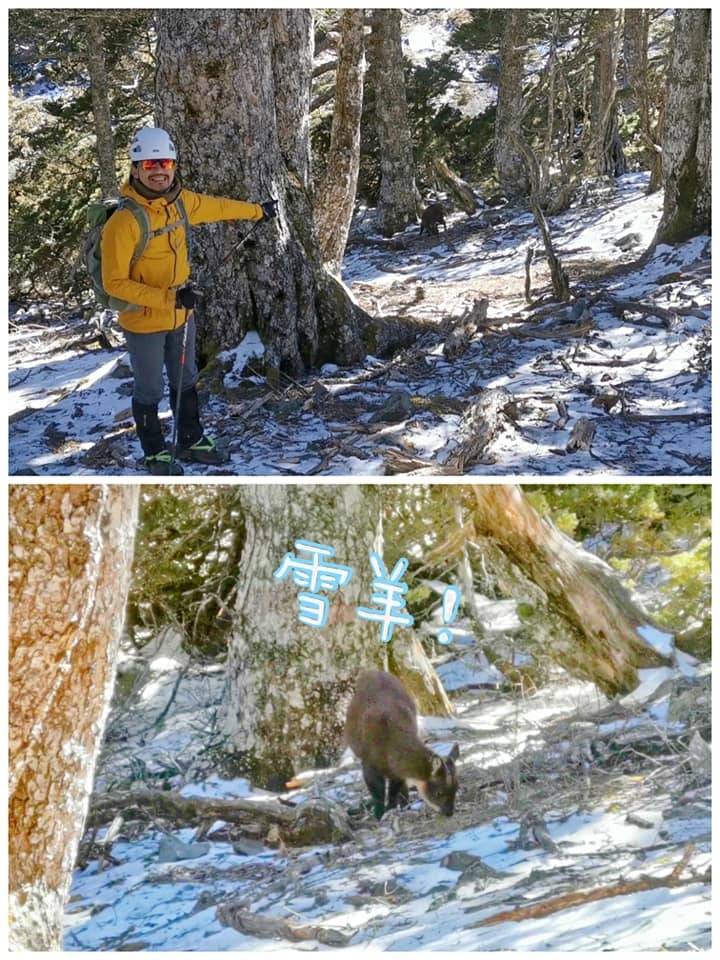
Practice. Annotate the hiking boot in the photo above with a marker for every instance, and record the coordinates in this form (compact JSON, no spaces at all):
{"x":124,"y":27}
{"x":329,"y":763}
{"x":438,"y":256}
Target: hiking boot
{"x":204,"y":450}
{"x":162,"y":465}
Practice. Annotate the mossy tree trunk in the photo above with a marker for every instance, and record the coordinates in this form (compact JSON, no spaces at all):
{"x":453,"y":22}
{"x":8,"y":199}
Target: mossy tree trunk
{"x":104,"y":140}
{"x":687,"y":144}
{"x":70,"y":559}
{"x":600,"y":641}
{"x":637,"y":97}
{"x":233,"y":87}
{"x":397,"y":201}
{"x":289,"y":683}
{"x":604,"y":155}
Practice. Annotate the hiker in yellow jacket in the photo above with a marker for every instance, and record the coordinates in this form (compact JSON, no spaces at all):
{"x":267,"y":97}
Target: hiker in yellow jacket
{"x":160,"y":331}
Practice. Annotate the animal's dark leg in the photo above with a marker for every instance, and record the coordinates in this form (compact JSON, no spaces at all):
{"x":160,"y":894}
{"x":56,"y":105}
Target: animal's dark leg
{"x":376,"y":785}
{"x":397,"y":794}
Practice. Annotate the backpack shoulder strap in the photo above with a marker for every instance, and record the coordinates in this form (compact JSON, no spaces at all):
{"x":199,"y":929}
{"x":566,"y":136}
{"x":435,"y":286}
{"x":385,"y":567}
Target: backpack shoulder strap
{"x":143,"y":221}
{"x":180,"y":204}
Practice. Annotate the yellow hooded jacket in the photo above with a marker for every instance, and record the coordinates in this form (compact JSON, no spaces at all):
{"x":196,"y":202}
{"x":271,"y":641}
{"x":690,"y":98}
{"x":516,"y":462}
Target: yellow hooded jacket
{"x":164,"y":264}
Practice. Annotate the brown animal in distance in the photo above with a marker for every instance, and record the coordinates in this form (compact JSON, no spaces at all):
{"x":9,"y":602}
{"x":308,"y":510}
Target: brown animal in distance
{"x":381,"y":730}
{"x":432,"y":216}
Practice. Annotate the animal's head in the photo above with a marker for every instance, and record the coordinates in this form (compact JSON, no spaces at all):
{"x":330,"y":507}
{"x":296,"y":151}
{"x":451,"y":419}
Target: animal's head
{"x":439,"y":790}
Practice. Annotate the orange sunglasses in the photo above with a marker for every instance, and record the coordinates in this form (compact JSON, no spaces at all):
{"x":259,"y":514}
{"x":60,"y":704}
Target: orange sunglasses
{"x":151,"y":164}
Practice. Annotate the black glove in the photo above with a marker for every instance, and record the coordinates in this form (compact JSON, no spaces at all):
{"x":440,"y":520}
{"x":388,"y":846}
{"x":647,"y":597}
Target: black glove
{"x":269,"y":209}
{"x":185,"y":298}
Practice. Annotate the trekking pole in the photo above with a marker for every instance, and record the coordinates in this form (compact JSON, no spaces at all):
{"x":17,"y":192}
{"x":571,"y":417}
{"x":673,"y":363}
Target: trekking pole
{"x":181,"y":371}
{"x":239,"y":244}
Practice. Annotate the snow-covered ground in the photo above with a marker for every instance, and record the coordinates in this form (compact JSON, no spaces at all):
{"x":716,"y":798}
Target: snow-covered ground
{"x":640,"y":374}
{"x":415,"y":880}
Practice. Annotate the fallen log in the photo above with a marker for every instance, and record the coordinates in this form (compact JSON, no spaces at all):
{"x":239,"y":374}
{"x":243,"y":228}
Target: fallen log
{"x":237,"y":916}
{"x":316,"y":821}
{"x":623,"y":888}
{"x":461,"y":191}
{"x":668,"y":315}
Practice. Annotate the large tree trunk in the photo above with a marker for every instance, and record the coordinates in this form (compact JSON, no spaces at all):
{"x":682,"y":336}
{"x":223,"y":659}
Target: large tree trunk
{"x":687,"y":145}
{"x":70,"y":560}
{"x":397,"y":201}
{"x":336,"y":194}
{"x":289,"y":682}
{"x":602,"y":644}
{"x":233,"y":86}
{"x":104,"y":140}
{"x":637,"y":98}
{"x":605,"y":156}
{"x":512,"y":175}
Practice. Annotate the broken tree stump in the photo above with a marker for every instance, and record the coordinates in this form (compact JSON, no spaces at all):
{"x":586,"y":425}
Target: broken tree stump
{"x":464,"y":329}
{"x":581,"y":437}
{"x":493,"y":412}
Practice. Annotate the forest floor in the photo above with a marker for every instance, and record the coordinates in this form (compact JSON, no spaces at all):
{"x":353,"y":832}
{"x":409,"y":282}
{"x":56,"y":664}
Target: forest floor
{"x":616,"y":383}
{"x":579,"y":825}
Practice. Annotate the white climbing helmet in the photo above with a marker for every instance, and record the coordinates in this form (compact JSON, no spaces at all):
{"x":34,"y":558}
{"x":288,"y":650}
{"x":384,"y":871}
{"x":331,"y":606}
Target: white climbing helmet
{"x":152,"y":143}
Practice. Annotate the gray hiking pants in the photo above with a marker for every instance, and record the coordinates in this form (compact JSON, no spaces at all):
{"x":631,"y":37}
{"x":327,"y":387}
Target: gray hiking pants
{"x":150,"y":352}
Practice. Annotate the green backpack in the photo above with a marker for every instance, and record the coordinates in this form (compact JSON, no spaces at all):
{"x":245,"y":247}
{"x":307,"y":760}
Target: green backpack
{"x":98,"y":213}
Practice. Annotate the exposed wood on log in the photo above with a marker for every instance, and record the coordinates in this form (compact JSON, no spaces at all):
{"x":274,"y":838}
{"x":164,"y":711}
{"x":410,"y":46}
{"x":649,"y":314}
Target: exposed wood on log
{"x":459,"y":338}
{"x":562,"y":410}
{"x":597,"y":635}
{"x":313,"y":822}
{"x":670,"y":316}
{"x":667,"y":417}
{"x":460,"y":191}
{"x":526,"y":331}
{"x":581,"y":437}
{"x":559,"y":332}
{"x":485,"y":420}
{"x":568,"y":900}
{"x":398,"y":461}
{"x":237,"y":915}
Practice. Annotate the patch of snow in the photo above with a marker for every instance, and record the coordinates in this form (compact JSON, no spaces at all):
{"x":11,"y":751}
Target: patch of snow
{"x":650,"y":680}
{"x":250,"y":347}
{"x":664,"y":643}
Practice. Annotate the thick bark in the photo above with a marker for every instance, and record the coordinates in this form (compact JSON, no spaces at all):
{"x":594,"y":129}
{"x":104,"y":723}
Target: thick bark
{"x":397,"y":201}
{"x":234,"y":88}
{"x":104,"y":140}
{"x":512,"y":174}
{"x":336,"y":194}
{"x":637,"y":97}
{"x":687,"y":143}
{"x":604,"y":645}
{"x":69,"y":570}
{"x":288,"y":683}
{"x":605,"y":156}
